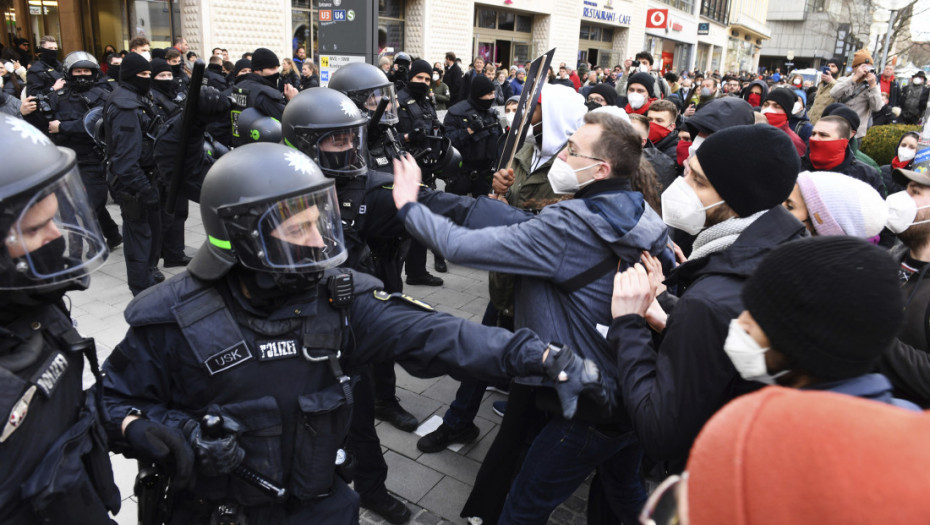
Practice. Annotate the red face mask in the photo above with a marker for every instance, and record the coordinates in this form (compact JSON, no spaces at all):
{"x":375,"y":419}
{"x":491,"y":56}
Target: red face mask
{"x":681,"y":151}
{"x":827,"y":154}
{"x":755,"y":100}
{"x":777,"y":119}
{"x":657,"y":132}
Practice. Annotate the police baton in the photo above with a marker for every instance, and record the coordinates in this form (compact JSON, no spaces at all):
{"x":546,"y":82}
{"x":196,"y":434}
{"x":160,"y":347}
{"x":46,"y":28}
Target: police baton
{"x":187,"y":122}
{"x":376,"y":117}
{"x":212,"y":427}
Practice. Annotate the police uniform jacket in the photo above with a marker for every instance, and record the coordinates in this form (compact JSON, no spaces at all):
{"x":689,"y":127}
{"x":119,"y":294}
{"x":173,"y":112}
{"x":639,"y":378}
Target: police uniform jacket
{"x":69,"y":107}
{"x":54,"y":465}
{"x":130,"y":119}
{"x":480,"y":149}
{"x":40,"y":78}
{"x":254,"y":92}
{"x":194,"y":347}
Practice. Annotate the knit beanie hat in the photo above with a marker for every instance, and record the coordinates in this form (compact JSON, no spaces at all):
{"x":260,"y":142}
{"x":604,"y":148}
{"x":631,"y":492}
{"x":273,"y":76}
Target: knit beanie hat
{"x":753,"y":168}
{"x":242,"y":63}
{"x":784,"y":97}
{"x":607,"y":91}
{"x":158,"y":52}
{"x":862,"y":57}
{"x":481,"y":86}
{"x":643,"y":79}
{"x":782,"y":456}
{"x":159,"y":66}
{"x":841,"y":205}
{"x":133,"y":63}
{"x":421,"y":66}
{"x":263,"y":58}
{"x":838,"y":109}
{"x":831,"y":304}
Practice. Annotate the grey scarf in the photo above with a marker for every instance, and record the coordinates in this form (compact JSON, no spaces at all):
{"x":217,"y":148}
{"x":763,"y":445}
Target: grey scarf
{"x":721,"y":236}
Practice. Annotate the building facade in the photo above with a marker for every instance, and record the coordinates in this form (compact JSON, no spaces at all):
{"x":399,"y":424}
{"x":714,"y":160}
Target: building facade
{"x":814,"y":31}
{"x":697,"y":33}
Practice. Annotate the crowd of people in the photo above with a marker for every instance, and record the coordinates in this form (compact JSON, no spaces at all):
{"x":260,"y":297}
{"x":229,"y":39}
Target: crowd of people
{"x":702,"y":290}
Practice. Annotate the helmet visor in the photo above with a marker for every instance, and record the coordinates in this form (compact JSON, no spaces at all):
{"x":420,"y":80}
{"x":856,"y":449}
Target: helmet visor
{"x":342,"y":152}
{"x":373,"y":98}
{"x":303,"y":233}
{"x":56,"y":237}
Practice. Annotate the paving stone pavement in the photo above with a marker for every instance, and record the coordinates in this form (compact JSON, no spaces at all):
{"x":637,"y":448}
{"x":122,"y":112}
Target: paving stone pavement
{"x":434,"y":486}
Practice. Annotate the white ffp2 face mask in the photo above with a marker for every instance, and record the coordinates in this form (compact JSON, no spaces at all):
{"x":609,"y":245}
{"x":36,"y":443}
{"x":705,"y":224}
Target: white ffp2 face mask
{"x":683,"y":209}
{"x":902,"y":210}
{"x":747,"y":356}
{"x":906,"y":154}
{"x":562,"y":177}
{"x":146,"y":55}
{"x":636,"y":100}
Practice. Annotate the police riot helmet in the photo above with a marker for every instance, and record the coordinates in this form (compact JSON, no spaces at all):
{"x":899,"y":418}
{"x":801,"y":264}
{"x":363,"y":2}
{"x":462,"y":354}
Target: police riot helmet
{"x":81,"y":59}
{"x":330,"y":129}
{"x":288,"y":223}
{"x":51,"y":238}
{"x":402,"y":59}
{"x":366,"y":85}
{"x":255,"y":126}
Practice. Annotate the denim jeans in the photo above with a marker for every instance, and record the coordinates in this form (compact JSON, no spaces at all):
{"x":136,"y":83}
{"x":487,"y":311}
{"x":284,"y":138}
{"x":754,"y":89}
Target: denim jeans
{"x":560,"y":459}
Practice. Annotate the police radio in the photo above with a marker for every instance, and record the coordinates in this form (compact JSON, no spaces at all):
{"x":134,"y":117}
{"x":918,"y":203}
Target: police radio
{"x":341,"y":290}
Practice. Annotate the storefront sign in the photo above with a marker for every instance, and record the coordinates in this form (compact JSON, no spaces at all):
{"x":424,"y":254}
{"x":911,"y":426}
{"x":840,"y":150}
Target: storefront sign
{"x":330,"y":63}
{"x":657,"y":18}
{"x":704,"y":28}
{"x":591,"y":11}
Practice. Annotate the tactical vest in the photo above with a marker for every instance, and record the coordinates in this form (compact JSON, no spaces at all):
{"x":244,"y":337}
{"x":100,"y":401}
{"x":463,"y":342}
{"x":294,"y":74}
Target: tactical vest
{"x":54,"y":464}
{"x":245,"y":95}
{"x":481,"y":149}
{"x":70,"y":105}
{"x":281,"y":380}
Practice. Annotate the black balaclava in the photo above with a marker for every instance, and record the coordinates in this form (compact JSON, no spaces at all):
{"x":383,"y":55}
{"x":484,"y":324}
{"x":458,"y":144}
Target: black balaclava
{"x":166,"y":87}
{"x":49,"y":56}
{"x":481,"y":86}
{"x":132,"y":64}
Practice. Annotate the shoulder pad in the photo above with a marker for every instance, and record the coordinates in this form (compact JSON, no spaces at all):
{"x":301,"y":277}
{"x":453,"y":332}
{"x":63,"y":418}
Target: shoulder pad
{"x":381,"y":295}
{"x":153,"y":305}
{"x":126,"y":102}
{"x":380,"y":179}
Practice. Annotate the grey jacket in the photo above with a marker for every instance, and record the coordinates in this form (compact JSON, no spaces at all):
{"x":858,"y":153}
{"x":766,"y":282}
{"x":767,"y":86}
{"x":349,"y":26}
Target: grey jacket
{"x":603,"y":221}
{"x":861,"y":98}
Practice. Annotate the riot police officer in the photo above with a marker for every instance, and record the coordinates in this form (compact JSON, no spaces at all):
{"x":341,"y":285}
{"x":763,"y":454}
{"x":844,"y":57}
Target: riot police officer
{"x":421,"y":131}
{"x":400,"y":73}
{"x":43,"y":76}
{"x":54,"y":464}
{"x":367,"y":86}
{"x":262,"y":334}
{"x":474,"y":128}
{"x":70,"y":105}
{"x":130,"y":123}
{"x":259,"y":90}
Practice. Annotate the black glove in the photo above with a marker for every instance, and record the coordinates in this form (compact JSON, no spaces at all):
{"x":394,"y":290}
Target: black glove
{"x":216,"y":456}
{"x":164,"y":444}
{"x":477,"y":125}
{"x":149,"y":198}
{"x":573,"y":376}
{"x":416,"y":135}
{"x":212,"y":104}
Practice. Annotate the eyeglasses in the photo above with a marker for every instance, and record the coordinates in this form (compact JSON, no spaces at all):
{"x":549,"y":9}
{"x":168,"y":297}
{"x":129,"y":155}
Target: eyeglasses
{"x":662,"y":506}
{"x":573,"y":153}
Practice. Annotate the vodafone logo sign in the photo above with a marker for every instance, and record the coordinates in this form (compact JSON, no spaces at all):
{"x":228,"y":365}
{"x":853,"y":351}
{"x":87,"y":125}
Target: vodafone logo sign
{"x":657,"y":18}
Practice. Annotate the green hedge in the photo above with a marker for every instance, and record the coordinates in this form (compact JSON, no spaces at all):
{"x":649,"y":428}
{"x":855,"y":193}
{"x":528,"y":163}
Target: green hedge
{"x":881,"y":142}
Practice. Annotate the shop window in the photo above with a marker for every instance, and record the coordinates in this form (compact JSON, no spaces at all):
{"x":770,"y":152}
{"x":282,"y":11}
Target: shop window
{"x":390,"y":8}
{"x":715,"y":10}
{"x":487,"y":18}
{"x":607,"y":35}
{"x":594,"y":32}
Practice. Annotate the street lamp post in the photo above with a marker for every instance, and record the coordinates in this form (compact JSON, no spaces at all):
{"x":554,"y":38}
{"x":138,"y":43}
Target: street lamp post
{"x":893,"y":7}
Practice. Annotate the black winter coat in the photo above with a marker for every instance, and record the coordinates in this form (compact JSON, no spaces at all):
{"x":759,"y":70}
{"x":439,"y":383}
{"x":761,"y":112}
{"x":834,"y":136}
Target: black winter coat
{"x":671,"y":393}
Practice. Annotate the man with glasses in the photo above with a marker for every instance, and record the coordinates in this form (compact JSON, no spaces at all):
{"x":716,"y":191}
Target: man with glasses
{"x":563,"y":259}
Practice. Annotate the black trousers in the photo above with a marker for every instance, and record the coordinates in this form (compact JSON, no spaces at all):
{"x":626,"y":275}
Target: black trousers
{"x":141,"y":244}
{"x":362,"y":442}
{"x":172,"y":231}
{"x":95,"y":183}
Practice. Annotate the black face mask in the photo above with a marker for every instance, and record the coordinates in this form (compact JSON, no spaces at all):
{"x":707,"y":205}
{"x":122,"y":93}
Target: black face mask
{"x":113,"y":72}
{"x":268,"y":290}
{"x":141,"y":85}
{"x":49,"y":56}
{"x":176,"y":70}
{"x":272,"y":80}
{"x":165,"y":87}
{"x":417,"y":90}
{"x":339,"y":160}
{"x":82,"y":83}
{"x":480,"y":103}
{"x":46,"y":260}
{"x":592,"y":105}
